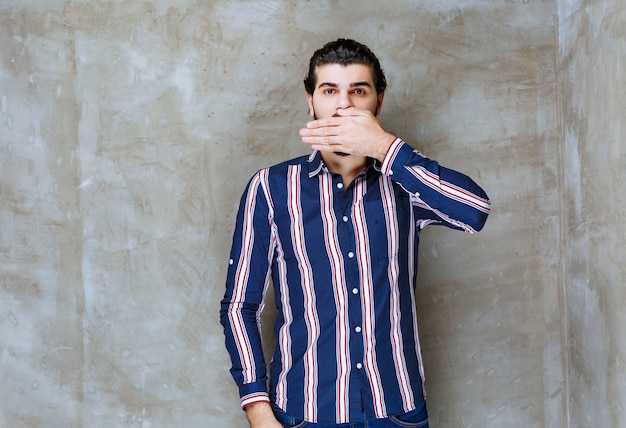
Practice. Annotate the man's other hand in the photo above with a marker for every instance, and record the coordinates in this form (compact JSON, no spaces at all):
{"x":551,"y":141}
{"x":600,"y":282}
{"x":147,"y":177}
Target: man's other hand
{"x":260,"y":415}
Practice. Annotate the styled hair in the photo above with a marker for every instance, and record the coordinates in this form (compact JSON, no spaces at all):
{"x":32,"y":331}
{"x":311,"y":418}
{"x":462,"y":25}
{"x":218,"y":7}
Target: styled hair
{"x":345,"y":52}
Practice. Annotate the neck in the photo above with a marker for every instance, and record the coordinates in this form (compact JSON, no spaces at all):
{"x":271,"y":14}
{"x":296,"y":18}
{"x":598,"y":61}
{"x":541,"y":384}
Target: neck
{"x":346,"y":166}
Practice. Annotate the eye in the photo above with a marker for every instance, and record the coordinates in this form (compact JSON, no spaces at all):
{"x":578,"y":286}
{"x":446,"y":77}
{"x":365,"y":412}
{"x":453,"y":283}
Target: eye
{"x":359,"y":91}
{"x":329,"y":91}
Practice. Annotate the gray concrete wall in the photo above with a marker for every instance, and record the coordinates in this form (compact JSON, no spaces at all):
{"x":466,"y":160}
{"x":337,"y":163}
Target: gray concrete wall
{"x":592,"y":74}
{"x":128,"y":130}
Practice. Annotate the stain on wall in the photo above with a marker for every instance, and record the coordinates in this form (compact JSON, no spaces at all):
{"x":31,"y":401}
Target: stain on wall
{"x":128,"y":131}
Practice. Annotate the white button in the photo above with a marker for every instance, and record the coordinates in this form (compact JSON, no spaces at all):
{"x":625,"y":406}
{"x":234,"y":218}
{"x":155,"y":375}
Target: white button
{"x":345,"y":219}
{"x":357,"y":329}
{"x":351,"y":254}
{"x":390,"y":172}
{"x":231,"y":261}
{"x":355,"y":291}
{"x":339,"y":185}
{"x":359,"y":366}
{"x":416,"y":194}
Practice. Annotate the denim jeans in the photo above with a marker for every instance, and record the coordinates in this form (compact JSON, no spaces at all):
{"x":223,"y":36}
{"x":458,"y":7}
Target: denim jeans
{"x":417,"y":418}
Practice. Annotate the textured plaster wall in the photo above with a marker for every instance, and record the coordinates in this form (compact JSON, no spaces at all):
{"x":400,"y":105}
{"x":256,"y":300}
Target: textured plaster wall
{"x":592,"y":68}
{"x":128,"y":130}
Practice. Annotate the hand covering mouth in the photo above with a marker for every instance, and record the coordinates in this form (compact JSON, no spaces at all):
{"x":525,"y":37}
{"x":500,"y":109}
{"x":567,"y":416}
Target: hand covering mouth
{"x":340,"y":153}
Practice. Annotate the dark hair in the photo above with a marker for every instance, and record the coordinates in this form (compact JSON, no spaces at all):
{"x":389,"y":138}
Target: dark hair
{"x":345,"y":52}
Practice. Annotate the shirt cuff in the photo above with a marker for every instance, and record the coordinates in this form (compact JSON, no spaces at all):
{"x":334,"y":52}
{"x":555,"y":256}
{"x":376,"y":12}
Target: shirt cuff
{"x":258,"y":397}
{"x":391,"y":155}
{"x":254,"y":392}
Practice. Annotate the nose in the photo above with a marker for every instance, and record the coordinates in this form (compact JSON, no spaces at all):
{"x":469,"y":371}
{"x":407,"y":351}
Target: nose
{"x":345,"y":100}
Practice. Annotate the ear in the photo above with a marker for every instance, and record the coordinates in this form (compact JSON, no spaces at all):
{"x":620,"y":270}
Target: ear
{"x":309,"y":98}
{"x":379,"y":106}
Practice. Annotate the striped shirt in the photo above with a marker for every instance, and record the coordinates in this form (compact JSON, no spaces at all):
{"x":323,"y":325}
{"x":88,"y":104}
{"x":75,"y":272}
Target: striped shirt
{"x":343,"y":264}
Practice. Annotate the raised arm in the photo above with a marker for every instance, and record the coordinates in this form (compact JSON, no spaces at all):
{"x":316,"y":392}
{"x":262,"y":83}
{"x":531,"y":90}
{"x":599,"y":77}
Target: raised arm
{"x":455,"y":199}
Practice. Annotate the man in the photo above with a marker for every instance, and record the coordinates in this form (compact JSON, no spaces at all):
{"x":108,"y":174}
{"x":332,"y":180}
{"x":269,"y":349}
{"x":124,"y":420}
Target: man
{"x":336,"y":233}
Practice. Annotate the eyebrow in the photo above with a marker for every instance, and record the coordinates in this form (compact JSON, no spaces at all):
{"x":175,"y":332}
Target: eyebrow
{"x":352,"y":85}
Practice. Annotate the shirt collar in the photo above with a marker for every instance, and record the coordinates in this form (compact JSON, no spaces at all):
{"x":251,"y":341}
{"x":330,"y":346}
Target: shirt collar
{"x":316,"y":164}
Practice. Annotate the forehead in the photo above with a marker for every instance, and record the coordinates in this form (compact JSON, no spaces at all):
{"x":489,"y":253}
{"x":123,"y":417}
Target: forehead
{"x":343,"y":74}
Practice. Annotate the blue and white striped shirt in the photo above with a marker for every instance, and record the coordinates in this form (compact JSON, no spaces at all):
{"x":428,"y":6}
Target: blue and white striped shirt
{"x":343,"y":264}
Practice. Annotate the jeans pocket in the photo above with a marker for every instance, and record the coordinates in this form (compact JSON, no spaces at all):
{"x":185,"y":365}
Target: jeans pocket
{"x":286,"y":420}
{"x":417,"y":418}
